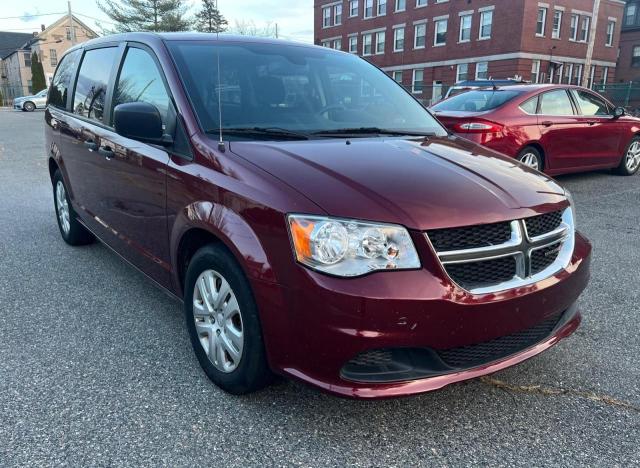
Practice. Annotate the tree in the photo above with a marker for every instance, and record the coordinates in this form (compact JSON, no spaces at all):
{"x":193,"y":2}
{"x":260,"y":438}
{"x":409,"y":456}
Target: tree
{"x":146,"y":15}
{"x":209,"y":19}
{"x":250,"y":28}
{"x":38,"y":83}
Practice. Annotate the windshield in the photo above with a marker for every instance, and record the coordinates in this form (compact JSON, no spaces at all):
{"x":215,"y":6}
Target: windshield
{"x":478,"y":100}
{"x":288,"y":88}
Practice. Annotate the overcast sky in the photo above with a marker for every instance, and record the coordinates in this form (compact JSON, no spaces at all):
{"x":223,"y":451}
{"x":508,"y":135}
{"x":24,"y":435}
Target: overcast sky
{"x":294,"y":17}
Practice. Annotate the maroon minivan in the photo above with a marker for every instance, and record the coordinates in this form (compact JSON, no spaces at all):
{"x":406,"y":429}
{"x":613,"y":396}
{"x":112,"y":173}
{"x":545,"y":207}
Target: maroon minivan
{"x":316,"y":221}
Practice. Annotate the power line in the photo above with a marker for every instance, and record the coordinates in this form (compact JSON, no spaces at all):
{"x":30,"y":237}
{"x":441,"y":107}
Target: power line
{"x":32,"y":16}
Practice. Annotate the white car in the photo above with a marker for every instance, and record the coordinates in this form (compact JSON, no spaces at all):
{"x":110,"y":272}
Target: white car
{"x":31,"y":103}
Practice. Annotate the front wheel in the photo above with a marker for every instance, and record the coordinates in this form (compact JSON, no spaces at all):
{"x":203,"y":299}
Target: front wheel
{"x":223,"y":323}
{"x":29,"y":106}
{"x":630,"y":162}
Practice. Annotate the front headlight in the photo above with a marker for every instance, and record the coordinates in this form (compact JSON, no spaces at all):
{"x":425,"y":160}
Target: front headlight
{"x":344,"y":247}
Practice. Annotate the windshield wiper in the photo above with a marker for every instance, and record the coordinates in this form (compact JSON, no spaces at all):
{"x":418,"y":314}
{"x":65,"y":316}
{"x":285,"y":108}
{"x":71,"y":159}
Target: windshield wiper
{"x":371,"y":131}
{"x":263,"y":131}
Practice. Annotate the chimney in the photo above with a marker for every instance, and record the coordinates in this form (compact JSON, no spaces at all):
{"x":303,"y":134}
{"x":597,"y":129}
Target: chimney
{"x":42,"y":28}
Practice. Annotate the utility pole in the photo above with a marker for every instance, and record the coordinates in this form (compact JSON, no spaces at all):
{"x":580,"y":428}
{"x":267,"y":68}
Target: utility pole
{"x":72,"y":30}
{"x":276,"y":30}
{"x":592,"y":40}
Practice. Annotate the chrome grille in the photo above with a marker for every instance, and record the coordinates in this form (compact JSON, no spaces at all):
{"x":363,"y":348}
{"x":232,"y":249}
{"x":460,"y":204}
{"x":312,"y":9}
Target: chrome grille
{"x":534,"y":249}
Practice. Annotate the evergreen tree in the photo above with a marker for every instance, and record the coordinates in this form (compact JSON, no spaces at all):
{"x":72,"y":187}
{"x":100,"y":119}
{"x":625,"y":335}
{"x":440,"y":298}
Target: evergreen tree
{"x":38,"y":83}
{"x":146,"y":15}
{"x":209,"y":19}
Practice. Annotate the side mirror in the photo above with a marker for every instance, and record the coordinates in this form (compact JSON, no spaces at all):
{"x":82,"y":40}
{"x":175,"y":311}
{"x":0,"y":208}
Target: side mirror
{"x":140,"y":121}
{"x":618,"y":112}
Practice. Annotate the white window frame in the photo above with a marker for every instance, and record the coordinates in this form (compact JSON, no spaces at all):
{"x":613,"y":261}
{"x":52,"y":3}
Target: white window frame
{"x":368,"y":36}
{"x":384,"y":42}
{"x":611,"y":28}
{"x":584,"y":32}
{"x":353,"y":44}
{"x":326,"y":17}
{"x":354,"y":8}
{"x":574,"y":27}
{"x":555,"y":32}
{"x":535,"y":71}
{"x":414,"y":90}
{"x":368,"y":4}
{"x":605,"y":75}
{"x":467,"y":16}
{"x":415,"y":36}
{"x":381,"y":3}
{"x":485,"y":65}
{"x":337,"y":15}
{"x":544,"y":11}
{"x":578,"y":69}
{"x":568,"y":73}
{"x":395,"y":76}
{"x":396,"y":33}
{"x":483,"y":15}
{"x":466,"y":72}
{"x":592,"y":77}
{"x":337,"y":44}
{"x":436,"y":24}
{"x":400,"y":8}
{"x":421,"y":3}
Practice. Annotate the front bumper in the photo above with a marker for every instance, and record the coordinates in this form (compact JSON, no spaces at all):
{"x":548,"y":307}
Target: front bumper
{"x":314,"y":328}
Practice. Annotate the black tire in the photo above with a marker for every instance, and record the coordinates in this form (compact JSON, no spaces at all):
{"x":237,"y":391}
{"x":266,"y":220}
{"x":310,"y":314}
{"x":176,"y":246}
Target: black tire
{"x":252,"y":372}
{"x":29,"y":106}
{"x":623,"y":168}
{"x":531,"y":151}
{"x":77,"y":234}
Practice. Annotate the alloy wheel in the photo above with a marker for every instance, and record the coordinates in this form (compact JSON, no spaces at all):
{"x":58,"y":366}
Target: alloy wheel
{"x":633,"y":157}
{"x":218,"y":321}
{"x":63,"y":208}
{"x":531,"y":160}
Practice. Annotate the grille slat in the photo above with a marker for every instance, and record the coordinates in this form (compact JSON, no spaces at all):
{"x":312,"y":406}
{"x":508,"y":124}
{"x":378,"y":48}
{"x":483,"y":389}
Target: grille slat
{"x":486,"y":272}
{"x":471,"y":237}
{"x":543,"y":224}
{"x":473,"y":355}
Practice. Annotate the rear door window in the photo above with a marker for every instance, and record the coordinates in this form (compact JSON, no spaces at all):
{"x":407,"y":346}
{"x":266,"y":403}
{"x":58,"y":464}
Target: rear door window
{"x":63,"y":79}
{"x":93,"y":79}
{"x":556,"y":103}
{"x":590,"y":104}
{"x":479,"y":100}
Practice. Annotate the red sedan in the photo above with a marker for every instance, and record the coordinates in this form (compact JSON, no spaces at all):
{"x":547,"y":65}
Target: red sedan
{"x":553,"y":128}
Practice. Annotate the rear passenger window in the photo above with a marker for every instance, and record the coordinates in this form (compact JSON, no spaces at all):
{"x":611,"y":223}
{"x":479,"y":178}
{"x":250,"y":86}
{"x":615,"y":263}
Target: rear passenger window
{"x":530,"y":106}
{"x":590,"y":104}
{"x":556,"y":103}
{"x":140,"y":81}
{"x":93,"y":79}
{"x":63,"y":79}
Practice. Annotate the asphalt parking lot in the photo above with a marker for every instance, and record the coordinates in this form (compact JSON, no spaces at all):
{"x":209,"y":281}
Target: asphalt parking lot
{"x":96,"y":368}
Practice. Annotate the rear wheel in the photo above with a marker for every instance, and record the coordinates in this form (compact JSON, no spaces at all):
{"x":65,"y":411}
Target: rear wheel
{"x":29,"y":106}
{"x":71,"y":230}
{"x":223,"y":323}
{"x":630,"y":162}
{"x":531,"y":157}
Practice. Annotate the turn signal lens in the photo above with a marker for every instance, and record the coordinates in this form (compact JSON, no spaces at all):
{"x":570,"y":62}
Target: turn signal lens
{"x":345,"y":247}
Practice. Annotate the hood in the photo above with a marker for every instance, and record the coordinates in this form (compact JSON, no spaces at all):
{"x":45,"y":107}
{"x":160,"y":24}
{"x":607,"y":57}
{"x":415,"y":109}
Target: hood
{"x":419,"y":183}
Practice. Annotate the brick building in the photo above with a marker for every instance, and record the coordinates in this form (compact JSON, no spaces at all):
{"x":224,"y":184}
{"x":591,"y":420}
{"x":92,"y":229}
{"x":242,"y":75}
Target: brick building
{"x":629,"y":58}
{"x":428,"y":45}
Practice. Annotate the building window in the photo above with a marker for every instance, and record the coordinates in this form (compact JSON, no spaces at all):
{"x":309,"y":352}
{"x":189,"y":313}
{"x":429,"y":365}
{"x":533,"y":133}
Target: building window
{"x":419,"y":41}
{"x":605,"y":75}
{"x":368,"y":8}
{"x":353,"y":8}
{"x":577,"y":75}
{"x":397,"y":76}
{"x":53,"y":56}
{"x":542,"y":21}
{"x":380,"y":40}
{"x":611,"y":27}
{"x":337,"y":15}
{"x":421,"y":3}
{"x":592,"y":75}
{"x":440,"y":35}
{"x":486,"y":21}
{"x":353,"y":44}
{"x":401,"y":5}
{"x":398,"y":39}
{"x":366,"y":44}
{"x":465,"y":28}
{"x":568,"y":73}
{"x":635,"y":56}
{"x":462,"y":72}
{"x":382,"y":7}
{"x":417,"y":83}
{"x":535,"y":71}
{"x":630,"y":14}
{"x":27,"y":58}
{"x":557,"y":24}
{"x":584,"y":29}
{"x":337,"y":44}
{"x":326,"y":17}
{"x":68,"y":34}
{"x":326,"y":44}
{"x":482,"y":70}
{"x":573,"y":31}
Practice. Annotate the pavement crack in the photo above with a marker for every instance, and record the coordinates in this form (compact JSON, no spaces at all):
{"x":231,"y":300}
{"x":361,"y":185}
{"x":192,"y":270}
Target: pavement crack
{"x":556,"y":391}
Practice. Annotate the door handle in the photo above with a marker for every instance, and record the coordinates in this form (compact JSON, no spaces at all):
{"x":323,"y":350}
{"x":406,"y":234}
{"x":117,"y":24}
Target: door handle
{"x":547,"y":123}
{"x":106,"y":151}
{"x":92,"y":145}
{"x":592,"y":122}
